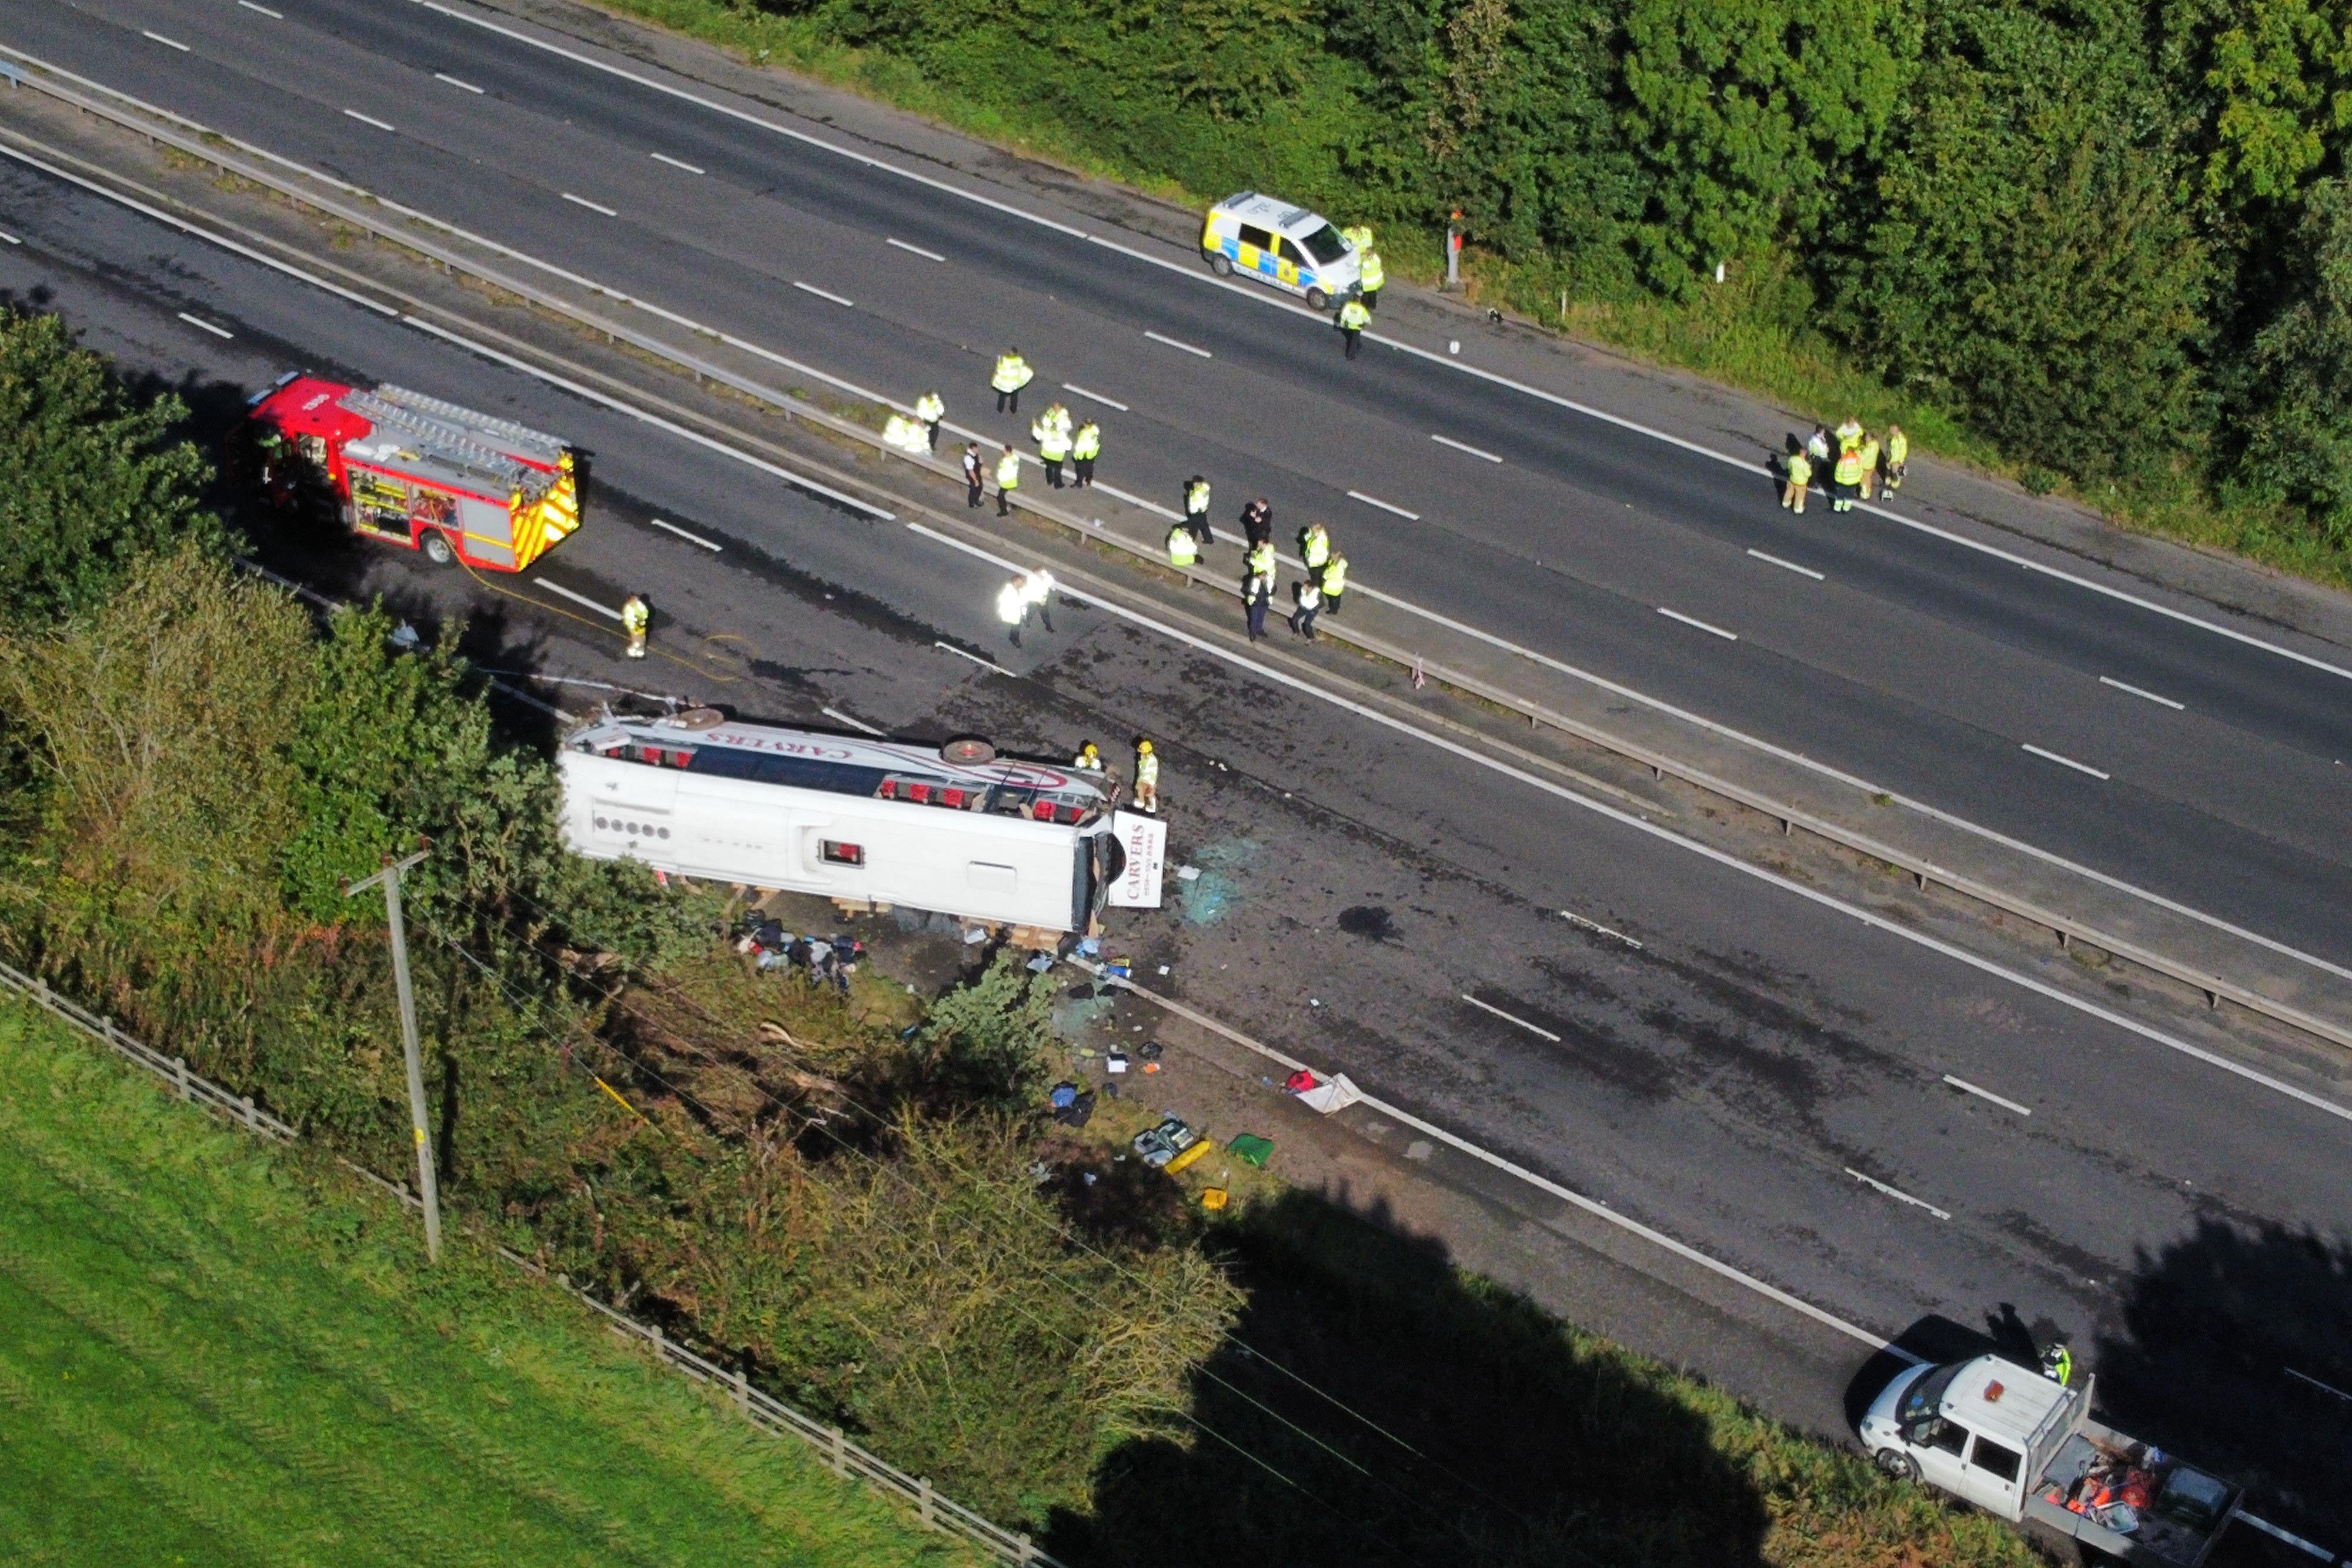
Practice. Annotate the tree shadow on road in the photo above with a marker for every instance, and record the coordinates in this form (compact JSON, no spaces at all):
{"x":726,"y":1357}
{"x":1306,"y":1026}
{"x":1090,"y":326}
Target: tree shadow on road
{"x":2234,"y":1348}
{"x":1449,"y":1421}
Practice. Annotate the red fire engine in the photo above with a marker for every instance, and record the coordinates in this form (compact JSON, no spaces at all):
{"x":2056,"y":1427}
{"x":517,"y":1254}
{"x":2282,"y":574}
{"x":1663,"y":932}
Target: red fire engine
{"x":415,"y":470}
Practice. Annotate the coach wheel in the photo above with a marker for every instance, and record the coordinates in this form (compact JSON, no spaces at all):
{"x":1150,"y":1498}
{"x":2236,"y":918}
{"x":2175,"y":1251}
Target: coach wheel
{"x":1220,"y":263}
{"x":436,"y":549}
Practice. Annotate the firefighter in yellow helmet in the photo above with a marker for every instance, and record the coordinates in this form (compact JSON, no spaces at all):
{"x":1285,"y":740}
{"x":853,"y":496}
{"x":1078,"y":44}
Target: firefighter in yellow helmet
{"x":1147,"y":778}
{"x":636,"y":618}
{"x":1088,"y":759}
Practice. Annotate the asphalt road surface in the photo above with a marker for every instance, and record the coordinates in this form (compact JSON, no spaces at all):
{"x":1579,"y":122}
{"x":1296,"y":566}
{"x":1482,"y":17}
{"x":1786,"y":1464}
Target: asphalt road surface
{"x":1916,"y":663}
{"x":1731,"y":1081}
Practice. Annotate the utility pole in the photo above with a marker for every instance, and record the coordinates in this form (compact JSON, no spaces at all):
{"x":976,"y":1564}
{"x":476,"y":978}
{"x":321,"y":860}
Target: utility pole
{"x":389,"y":878}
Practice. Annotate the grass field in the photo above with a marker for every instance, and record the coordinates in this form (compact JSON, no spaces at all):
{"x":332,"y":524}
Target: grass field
{"x":210,"y":1355}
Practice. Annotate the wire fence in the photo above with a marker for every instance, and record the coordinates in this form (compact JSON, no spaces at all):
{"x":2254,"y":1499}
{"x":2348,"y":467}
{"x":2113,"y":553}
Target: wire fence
{"x":771,"y":1416}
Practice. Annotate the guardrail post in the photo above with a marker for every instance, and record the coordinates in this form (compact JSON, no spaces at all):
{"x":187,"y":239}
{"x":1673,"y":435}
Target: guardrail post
{"x":1028,"y":1552}
{"x":742,"y":1391}
{"x":923,"y":1505}
{"x":252,"y":1124}
{"x":839,"y":1457}
{"x":179,"y":1073}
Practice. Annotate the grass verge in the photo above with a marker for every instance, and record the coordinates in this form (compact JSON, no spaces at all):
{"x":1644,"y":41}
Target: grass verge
{"x":213,"y":1353}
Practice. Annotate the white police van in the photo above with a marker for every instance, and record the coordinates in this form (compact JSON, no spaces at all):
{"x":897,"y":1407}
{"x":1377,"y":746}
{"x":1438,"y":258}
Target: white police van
{"x":1291,"y":247}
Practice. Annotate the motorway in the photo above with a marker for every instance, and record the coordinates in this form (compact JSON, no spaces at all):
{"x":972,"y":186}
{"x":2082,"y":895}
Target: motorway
{"x":1723,"y":1082}
{"x":2211,"y":769}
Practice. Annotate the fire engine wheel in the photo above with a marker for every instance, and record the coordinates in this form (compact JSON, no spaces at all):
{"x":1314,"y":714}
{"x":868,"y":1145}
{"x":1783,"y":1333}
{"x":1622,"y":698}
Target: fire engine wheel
{"x":1318,"y":300}
{"x":436,"y":546}
{"x":1220,"y":263}
{"x":1896,"y":1463}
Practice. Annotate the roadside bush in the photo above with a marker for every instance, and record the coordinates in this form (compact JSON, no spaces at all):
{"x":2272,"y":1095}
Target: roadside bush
{"x":90,"y":476}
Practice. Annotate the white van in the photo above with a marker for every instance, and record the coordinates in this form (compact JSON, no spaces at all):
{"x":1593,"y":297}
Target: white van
{"x":1273,"y":241}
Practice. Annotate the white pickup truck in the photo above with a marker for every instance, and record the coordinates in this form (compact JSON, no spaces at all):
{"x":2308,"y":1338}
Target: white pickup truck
{"x":2019,"y":1444}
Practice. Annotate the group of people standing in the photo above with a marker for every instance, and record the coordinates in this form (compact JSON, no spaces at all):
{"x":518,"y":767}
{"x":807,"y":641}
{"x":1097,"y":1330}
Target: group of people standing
{"x":1862,"y":461}
{"x":1316,"y":594}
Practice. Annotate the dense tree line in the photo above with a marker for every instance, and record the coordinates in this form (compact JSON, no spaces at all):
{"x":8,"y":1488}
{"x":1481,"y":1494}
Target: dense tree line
{"x":191,"y":761}
{"x":2110,"y":234}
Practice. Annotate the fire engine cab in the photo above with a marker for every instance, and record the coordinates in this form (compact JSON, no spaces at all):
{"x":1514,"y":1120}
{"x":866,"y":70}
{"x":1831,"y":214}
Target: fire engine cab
{"x":415,"y":470}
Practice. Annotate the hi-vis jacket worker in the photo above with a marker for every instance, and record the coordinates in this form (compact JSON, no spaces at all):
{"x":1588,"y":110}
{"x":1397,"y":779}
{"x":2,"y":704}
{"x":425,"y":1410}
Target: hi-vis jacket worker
{"x":1845,"y":480}
{"x":1801,"y":476}
{"x":1053,"y":446}
{"x":635,"y":618}
{"x":1868,"y":452}
{"x":1898,"y":453}
{"x":1084,"y":447}
{"x":931,"y":408}
{"x":1334,"y":583}
{"x":1257,"y":585}
{"x":1315,"y":549}
{"x":1369,"y":275}
{"x":1196,"y":509}
{"x":1088,"y":759}
{"x":1013,"y":373}
{"x":1353,"y":319}
{"x":1147,"y":778}
{"x":1184,"y":549}
{"x":1008,"y":480}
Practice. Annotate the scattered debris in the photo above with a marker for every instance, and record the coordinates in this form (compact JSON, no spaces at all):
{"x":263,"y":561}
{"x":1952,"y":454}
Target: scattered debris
{"x":1251,"y":1150}
{"x":1215,"y":1198}
{"x":1188,"y":873}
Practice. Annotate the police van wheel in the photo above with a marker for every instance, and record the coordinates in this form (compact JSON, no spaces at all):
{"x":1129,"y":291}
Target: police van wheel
{"x":436,"y":546}
{"x":1318,"y":300}
{"x":1220,"y":263}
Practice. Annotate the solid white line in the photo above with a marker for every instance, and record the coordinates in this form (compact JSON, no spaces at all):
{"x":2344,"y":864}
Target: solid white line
{"x":1694,"y":621}
{"x":1097,"y":397}
{"x":455,"y":82}
{"x":798,"y":481}
{"x":1174,"y":344}
{"x":2267,"y":1528}
{"x":1573,"y":918}
{"x":821,"y":294}
{"x":2066,"y":761}
{"x":169,"y":43}
{"x":2168,"y":702}
{"x":369,"y":120}
{"x":10,"y":238}
{"x":1896,"y":1193}
{"x":275,"y":15}
{"x":676,"y":162}
{"x":1988,"y":1094}
{"x":591,"y":206}
{"x":1465,"y":446}
{"x":2323,"y":1387}
{"x":1790,"y":566}
{"x":1383,"y":506}
{"x":577,"y":598}
{"x":1570,"y":1196}
{"x":959,"y":653}
{"x":1642,"y":824}
{"x":915,"y":249}
{"x":197,"y":321}
{"x":1270,"y":297}
{"x":1506,"y":1017}
{"x":836,"y":713}
{"x":691,"y":539}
